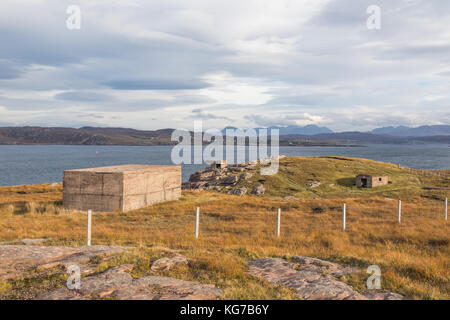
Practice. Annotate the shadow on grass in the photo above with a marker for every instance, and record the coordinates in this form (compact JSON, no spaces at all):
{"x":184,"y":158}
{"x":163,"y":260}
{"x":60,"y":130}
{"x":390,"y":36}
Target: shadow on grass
{"x":346,"y":182}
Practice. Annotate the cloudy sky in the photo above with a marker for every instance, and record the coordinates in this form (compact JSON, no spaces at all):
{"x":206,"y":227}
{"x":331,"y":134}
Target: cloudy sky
{"x":158,"y":64}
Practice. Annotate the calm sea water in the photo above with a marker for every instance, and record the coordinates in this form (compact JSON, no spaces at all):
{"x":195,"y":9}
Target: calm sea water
{"x":46,"y":163}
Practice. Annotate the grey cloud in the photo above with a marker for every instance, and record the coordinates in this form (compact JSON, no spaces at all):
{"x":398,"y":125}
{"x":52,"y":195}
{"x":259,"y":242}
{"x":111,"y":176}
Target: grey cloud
{"x":267,"y":121}
{"x":82,"y":96}
{"x":91,"y":115}
{"x":156,"y":84}
{"x":8,"y":70}
{"x":437,"y":51}
{"x":200,"y":114}
{"x":150,"y":47}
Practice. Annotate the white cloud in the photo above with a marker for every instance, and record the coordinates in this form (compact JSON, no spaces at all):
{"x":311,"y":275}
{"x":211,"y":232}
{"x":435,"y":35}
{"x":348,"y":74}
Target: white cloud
{"x":297,"y":62}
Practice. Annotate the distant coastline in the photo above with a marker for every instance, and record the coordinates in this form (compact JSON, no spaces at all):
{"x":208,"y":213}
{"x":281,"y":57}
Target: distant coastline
{"x":132,"y":137}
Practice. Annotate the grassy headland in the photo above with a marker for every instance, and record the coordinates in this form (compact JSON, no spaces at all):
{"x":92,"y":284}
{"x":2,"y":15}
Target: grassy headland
{"x":413,"y":255}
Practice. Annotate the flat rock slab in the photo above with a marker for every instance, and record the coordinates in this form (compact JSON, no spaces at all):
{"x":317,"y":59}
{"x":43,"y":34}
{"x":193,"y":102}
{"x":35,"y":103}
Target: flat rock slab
{"x":167,"y":263}
{"x":27,"y":242}
{"x":17,"y":259}
{"x":117,"y":283}
{"x":312,"y":279}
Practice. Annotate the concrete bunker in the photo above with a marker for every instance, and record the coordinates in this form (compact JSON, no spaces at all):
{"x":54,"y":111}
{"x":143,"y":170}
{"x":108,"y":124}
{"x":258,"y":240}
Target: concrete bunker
{"x":368,"y":181}
{"x":219,"y":164}
{"x":123,"y":187}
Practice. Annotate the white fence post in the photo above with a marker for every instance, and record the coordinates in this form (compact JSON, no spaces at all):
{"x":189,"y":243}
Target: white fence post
{"x":344,"y":212}
{"x":445,"y":208}
{"x":89,"y":222}
{"x":278,"y":222}
{"x":197,"y":221}
{"x":399,"y":211}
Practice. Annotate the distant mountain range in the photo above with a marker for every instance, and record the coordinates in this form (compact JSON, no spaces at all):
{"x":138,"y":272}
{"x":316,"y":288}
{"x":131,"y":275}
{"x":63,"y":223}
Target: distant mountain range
{"x":400,"y":131}
{"x":291,"y":135}
{"x":423,"y":131}
{"x":308,"y":130}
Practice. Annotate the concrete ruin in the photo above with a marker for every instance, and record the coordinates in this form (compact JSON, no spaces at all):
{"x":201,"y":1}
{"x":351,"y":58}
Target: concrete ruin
{"x":219,"y":164}
{"x":368,"y":181}
{"x":124,"y":187}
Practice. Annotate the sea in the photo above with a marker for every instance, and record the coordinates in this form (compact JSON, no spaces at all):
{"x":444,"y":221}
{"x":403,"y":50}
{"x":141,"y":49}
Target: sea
{"x":36,"y":164}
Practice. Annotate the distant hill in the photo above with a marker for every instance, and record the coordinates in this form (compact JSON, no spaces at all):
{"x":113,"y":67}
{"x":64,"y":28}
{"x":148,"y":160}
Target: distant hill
{"x":84,"y":136}
{"x":348,"y":138}
{"x":306,"y":130}
{"x":133,"y":137}
{"x":310,"y":129}
{"x":423,"y":131}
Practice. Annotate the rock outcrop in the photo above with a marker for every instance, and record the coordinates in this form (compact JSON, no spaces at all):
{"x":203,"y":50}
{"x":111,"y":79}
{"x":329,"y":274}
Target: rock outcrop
{"x":117,"y":283}
{"x":166,"y":263}
{"x":114,"y":283}
{"x":312,"y":279}
{"x":227,"y":179}
{"x":314,"y":184}
{"x":259,"y":190}
{"x":17,"y":259}
{"x":238,"y":191}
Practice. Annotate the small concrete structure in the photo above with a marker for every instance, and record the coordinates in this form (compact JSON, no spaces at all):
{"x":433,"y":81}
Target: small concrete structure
{"x":219,"y":164}
{"x":367,"y":181}
{"x":124,"y":187}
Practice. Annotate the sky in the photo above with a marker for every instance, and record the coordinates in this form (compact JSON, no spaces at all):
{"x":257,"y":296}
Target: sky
{"x":253,"y":63}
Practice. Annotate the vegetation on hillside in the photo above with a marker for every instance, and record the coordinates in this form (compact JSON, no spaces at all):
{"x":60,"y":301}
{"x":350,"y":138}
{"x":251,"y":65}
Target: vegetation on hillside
{"x":413,"y":255}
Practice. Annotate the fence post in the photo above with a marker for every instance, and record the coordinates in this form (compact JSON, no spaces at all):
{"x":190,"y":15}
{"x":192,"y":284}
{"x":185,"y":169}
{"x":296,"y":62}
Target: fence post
{"x":344,"y":209}
{"x":197,"y":221}
{"x":89,"y":222}
{"x":399,"y":211}
{"x":445,"y":208}
{"x":278,"y":221}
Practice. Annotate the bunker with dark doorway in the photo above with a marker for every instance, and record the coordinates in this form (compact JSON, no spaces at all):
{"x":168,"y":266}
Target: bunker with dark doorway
{"x":368,"y":181}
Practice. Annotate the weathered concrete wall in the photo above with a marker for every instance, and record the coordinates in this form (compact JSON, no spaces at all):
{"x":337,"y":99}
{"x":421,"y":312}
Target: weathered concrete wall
{"x":380,"y":181}
{"x":122,"y":188}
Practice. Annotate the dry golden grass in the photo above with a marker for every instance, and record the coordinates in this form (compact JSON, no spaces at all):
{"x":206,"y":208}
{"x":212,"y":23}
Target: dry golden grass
{"x":413,"y":255}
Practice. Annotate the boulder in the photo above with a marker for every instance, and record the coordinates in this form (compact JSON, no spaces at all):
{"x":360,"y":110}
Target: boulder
{"x":202,"y":175}
{"x":259,"y":190}
{"x":238,"y":191}
{"x":166,"y":263}
{"x":230,"y":180}
{"x":314,"y":184}
{"x":312,"y":279}
{"x":186,"y":185}
{"x":199,"y":185}
{"x":246,"y":176}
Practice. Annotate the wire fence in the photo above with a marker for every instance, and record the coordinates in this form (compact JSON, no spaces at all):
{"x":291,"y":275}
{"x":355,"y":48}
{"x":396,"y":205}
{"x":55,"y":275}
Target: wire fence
{"x":384,"y":215}
{"x":436,"y":173}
